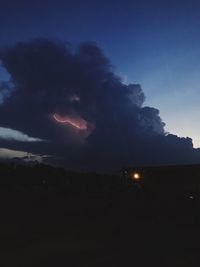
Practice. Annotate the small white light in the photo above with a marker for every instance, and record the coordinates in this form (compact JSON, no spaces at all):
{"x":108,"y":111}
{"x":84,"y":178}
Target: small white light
{"x":135,"y":176}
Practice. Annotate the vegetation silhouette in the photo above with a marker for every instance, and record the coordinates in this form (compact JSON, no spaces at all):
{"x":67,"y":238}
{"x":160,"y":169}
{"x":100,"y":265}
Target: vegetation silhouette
{"x":47,"y":176}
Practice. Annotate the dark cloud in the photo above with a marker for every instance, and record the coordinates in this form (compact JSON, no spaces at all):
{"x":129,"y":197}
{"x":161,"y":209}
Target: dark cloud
{"x":49,"y":77}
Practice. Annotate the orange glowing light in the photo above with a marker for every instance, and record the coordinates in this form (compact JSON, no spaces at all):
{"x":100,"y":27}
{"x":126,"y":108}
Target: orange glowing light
{"x":77,"y":123}
{"x":135,"y":176}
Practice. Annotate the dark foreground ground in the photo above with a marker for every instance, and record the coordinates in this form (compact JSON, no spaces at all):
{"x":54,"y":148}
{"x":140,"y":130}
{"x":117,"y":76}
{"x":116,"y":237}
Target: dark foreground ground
{"x":52,"y":218}
{"x":48,"y":227}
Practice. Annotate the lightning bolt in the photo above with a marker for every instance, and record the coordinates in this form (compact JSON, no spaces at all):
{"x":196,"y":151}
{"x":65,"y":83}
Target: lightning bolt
{"x":78,"y":124}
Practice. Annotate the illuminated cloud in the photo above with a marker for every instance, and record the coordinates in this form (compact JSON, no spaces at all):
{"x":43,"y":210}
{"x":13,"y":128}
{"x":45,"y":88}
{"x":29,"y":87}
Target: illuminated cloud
{"x":10,"y":134}
{"x":6,"y":154}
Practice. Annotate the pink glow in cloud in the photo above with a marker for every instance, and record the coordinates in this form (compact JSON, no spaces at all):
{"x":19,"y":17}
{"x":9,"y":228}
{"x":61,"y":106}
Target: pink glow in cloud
{"x":80,"y":124}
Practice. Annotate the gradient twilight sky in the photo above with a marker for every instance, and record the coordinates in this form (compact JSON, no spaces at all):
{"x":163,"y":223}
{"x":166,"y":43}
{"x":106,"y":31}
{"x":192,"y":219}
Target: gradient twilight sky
{"x":153,"y":43}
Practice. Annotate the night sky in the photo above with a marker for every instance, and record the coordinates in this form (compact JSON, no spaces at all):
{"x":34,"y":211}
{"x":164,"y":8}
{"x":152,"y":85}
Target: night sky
{"x":100,"y":84}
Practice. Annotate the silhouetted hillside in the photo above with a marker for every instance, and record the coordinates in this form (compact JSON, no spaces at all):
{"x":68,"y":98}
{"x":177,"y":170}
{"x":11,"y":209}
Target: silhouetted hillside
{"x":48,"y":176}
{"x":53,"y":217}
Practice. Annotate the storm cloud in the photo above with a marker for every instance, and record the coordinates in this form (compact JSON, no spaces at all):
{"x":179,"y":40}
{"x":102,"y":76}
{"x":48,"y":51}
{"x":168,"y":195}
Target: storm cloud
{"x":49,"y":77}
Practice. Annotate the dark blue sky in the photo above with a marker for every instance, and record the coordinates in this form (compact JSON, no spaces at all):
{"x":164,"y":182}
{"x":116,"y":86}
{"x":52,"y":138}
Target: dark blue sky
{"x":153,"y":43}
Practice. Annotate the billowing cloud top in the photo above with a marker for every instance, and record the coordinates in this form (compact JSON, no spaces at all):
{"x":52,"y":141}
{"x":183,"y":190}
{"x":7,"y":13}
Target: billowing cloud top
{"x":89,"y":118}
